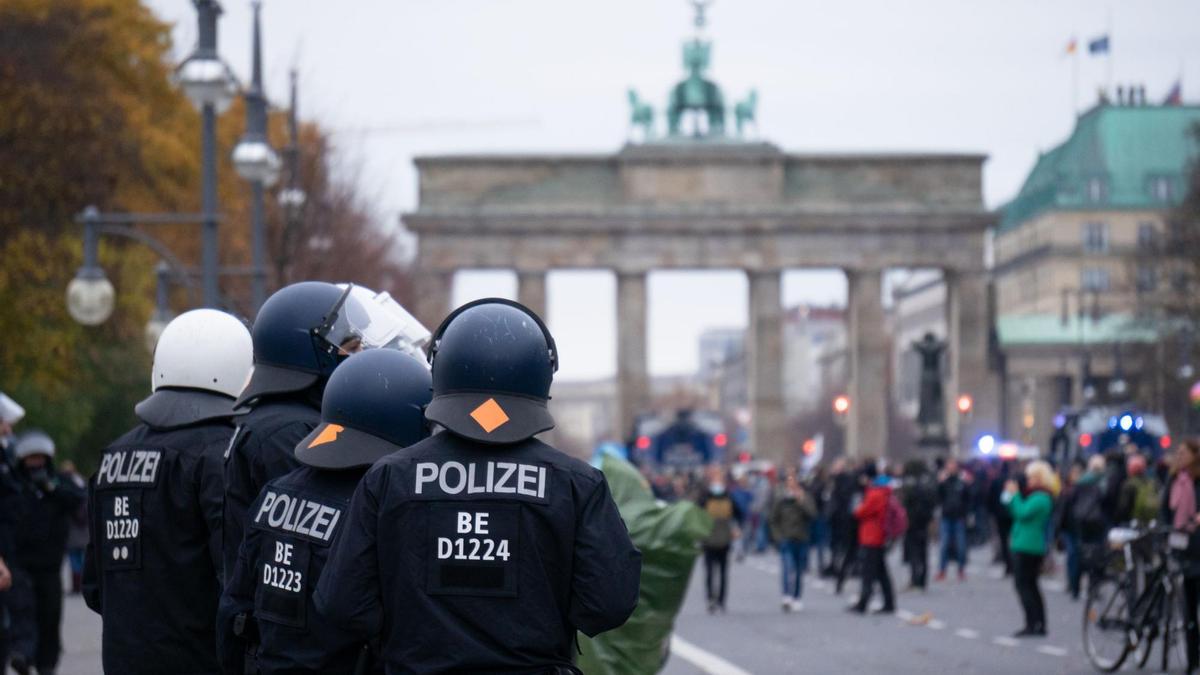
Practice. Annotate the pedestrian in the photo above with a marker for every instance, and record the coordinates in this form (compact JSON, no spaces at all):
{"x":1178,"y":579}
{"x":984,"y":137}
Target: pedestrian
{"x":1140,"y":500}
{"x":818,"y":488}
{"x":302,"y":332}
{"x":481,"y":548}
{"x":843,"y":529}
{"x":77,"y":534}
{"x":1182,"y":508}
{"x":872,"y":517}
{"x":920,"y":502}
{"x":152,"y":566}
{"x":372,"y":407}
{"x":954,"y":501}
{"x":1031,"y":510}
{"x":724,"y":512}
{"x":756,"y":525}
{"x":743,"y":496}
{"x":1083,"y":525}
{"x":850,"y":561}
{"x":1001,"y":516}
{"x":44,"y":506}
{"x":792,"y":513}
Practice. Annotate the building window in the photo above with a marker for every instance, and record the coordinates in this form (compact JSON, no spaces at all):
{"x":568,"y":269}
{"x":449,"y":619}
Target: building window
{"x":1147,"y":236}
{"x":1097,"y":190}
{"x":1095,"y":237}
{"x":1094,"y":279}
{"x":1147,"y":278}
{"x":1161,"y":188}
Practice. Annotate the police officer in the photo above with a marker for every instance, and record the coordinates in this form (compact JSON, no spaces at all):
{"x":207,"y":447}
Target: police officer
{"x":373,"y":405}
{"x":301,"y":334}
{"x":44,"y":504}
{"x":151,"y":566}
{"x":482,"y":549}
{"x":11,"y":413}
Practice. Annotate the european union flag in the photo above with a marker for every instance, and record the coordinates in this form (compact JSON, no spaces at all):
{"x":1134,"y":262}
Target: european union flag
{"x":1098,"y":45}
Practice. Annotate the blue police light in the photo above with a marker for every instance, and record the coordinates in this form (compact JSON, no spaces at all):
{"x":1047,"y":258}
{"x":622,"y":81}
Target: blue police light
{"x":1138,"y":423}
{"x":1126,"y":422}
{"x":1060,"y":421}
{"x":1112,"y":422}
{"x":986,"y":444}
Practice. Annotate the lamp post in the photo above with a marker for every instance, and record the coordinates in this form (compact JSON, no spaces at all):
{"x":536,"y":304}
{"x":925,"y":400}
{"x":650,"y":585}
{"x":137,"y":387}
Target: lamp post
{"x":257,"y":162}
{"x":292,"y":197}
{"x":206,"y":80}
{"x":90,"y":295}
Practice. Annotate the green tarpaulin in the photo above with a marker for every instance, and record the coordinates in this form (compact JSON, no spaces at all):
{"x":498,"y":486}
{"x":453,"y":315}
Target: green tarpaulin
{"x":667,"y":535}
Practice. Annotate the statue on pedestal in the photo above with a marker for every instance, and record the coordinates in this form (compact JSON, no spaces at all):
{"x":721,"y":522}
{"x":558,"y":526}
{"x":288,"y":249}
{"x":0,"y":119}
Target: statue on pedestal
{"x":931,"y":412}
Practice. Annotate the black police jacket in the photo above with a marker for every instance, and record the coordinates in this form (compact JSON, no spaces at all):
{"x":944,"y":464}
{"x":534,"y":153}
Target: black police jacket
{"x":268,"y":596}
{"x":151,"y":567}
{"x":42,"y":517}
{"x":9,"y":505}
{"x":263,"y":448}
{"x":470,"y":558}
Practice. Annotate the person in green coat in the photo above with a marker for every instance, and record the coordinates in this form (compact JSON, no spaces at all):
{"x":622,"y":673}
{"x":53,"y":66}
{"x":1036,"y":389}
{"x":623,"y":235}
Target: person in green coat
{"x":1031,"y":512}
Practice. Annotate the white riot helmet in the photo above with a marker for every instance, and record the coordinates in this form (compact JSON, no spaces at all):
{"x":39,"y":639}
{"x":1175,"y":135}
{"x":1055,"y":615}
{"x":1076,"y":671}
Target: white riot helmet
{"x":201,"y":363}
{"x":34,"y":442}
{"x":11,"y":412}
{"x":204,"y":349}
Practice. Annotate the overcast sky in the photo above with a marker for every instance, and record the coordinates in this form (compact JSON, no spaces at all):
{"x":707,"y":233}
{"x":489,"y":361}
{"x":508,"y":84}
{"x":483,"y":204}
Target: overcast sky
{"x":399,"y":78}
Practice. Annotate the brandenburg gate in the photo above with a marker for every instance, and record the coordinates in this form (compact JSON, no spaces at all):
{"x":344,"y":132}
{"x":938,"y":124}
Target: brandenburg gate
{"x":703,"y":199}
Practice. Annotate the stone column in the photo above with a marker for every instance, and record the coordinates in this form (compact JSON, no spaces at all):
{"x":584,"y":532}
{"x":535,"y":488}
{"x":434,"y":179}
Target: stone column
{"x":769,"y":437}
{"x":968,"y":334}
{"x":867,"y":355}
{"x":633,"y":381}
{"x":432,"y":290}
{"x":531,"y":291}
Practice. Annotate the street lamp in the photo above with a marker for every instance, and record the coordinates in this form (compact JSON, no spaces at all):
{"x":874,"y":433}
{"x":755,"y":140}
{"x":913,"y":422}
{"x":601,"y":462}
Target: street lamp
{"x":90,"y":295}
{"x":210,"y":85}
{"x":292,"y":197}
{"x":257,"y":162}
{"x":162,"y":307}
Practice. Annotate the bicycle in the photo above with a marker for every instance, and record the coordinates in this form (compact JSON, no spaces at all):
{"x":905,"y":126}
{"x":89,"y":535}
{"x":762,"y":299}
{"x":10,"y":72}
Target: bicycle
{"x":1136,"y":604}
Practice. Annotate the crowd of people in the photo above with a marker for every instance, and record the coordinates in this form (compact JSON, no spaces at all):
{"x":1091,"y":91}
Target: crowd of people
{"x":842,"y":520}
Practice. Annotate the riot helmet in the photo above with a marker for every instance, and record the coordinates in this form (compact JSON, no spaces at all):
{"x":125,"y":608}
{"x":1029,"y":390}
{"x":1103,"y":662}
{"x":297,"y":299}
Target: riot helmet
{"x":493,"y":362}
{"x":202,"y":361}
{"x":34,"y":442}
{"x":302,"y":332}
{"x":373,"y":405}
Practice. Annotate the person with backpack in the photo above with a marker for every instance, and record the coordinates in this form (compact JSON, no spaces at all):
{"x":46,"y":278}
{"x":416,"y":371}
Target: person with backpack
{"x":952,"y":529}
{"x":791,"y":518}
{"x":1139,"y":499}
{"x":919,"y":501}
{"x":873,"y":528}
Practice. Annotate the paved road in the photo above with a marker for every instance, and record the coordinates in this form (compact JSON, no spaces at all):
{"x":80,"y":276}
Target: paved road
{"x":959,"y":628}
{"x":953,"y":628}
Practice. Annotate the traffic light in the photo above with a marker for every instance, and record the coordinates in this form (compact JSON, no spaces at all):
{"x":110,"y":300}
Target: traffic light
{"x":809,"y":447}
{"x":841,"y":408}
{"x":965,"y":404}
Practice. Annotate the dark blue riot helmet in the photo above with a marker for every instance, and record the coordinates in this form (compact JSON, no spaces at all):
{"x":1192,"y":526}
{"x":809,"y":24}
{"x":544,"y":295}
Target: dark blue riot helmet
{"x":302,"y":332}
{"x":493,"y":362}
{"x":373,"y":405}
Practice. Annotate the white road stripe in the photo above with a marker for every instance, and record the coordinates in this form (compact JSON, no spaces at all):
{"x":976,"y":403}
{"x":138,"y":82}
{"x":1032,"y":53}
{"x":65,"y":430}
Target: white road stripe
{"x":1052,"y":650}
{"x":704,"y":660}
{"x":967,"y":634}
{"x":905,"y":615}
{"x":1005,"y":641}
{"x":936,"y":625}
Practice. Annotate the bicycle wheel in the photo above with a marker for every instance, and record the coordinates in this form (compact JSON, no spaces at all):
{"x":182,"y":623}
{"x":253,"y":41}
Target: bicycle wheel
{"x":1106,"y":635}
{"x":1175,"y":638}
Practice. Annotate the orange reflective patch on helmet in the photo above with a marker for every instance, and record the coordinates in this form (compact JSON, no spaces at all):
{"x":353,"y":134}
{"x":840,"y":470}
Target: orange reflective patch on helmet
{"x":328,"y":435}
{"x":489,"y":415}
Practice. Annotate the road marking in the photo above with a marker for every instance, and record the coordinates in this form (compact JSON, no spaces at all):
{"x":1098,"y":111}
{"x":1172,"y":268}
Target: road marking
{"x":905,"y":615}
{"x":1005,"y":641}
{"x":967,"y":634}
{"x":704,"y":660}
{"x":934,"y":624}
{"x":1052,"y":650}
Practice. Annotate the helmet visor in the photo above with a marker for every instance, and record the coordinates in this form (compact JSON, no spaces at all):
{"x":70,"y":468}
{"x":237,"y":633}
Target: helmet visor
{"x":389,"y":325}
{"x":344,"y":326}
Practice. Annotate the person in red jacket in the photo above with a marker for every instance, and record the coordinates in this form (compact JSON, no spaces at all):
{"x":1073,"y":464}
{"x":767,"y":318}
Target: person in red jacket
{"x":871,"y":542}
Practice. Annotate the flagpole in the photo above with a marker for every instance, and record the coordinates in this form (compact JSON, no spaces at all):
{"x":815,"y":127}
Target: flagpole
{"x":1075,"y":83}
{"x":1108,"y":55}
